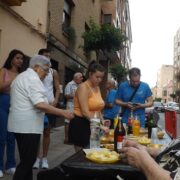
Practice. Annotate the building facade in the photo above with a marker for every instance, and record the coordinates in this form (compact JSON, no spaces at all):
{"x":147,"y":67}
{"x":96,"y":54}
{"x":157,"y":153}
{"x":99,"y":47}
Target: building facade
{"x":176,"y":63}
{"x":164,"y":77}
{"x":67,"y":22}
{"x":29,"y":25}
{"x":23,"y":26}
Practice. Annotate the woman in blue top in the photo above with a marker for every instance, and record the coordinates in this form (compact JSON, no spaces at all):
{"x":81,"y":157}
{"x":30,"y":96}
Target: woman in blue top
{"x":8,"y":73}
{"x":141,"y":99}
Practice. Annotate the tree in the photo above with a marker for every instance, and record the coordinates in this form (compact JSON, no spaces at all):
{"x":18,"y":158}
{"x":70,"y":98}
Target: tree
{"x":173,"y":96}
{"x":118,"y":72}
{"x":105,"y":38}
{"x":158,"y":99}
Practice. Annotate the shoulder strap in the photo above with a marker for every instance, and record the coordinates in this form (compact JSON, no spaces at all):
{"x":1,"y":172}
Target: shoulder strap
{"x":134,"y":92}
{"x":132,"y":96}
{"x":90,"y":88}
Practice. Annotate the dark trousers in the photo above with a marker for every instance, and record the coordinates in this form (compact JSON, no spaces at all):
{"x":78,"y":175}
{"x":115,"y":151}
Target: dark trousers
{"x":28,"y":147}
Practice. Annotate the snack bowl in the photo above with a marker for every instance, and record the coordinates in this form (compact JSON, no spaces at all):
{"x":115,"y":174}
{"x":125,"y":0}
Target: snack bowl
{"x":104,"y":140}
{"x":144,"y":141}
{"x":132,"y":137}
{"x":142,"y":131}
{"x":160,"y":134}
{"x":108,"y":146}
{"x":111,"y":132}
{"x":157,"y":146}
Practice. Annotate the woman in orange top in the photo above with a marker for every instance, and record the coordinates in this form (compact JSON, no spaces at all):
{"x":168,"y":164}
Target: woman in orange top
{"x":87,"y":100}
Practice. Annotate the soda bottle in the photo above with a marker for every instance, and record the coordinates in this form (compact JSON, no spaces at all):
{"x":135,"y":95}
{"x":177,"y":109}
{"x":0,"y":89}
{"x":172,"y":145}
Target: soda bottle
{"x":95,"y":131}
{"x":130,"y":122}
{"x":119,"y":134}
{"x":136,"y":126}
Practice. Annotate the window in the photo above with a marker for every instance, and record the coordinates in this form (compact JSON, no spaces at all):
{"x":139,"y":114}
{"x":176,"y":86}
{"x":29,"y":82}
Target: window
{"x":106,"y":19}
{"x":165,"y":93}
{"x":67,"y":15}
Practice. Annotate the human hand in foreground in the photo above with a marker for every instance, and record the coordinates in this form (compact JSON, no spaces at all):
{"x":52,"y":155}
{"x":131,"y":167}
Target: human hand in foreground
{"x":129,"y":143}
{"x":135,"y":156}
{"x":139,"y":157}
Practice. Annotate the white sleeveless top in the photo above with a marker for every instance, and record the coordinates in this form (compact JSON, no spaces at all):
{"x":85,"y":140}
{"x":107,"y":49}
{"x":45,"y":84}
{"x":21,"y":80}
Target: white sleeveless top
{"x":48,"y":84}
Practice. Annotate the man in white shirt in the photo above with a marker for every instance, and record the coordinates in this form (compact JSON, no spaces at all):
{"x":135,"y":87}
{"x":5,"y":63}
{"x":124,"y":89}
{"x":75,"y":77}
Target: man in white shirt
{"x":51,"y":84}
{"x":28,"y":104}
{"x":69,"y":94}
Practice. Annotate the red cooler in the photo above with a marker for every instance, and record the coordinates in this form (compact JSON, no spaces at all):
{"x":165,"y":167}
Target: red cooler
{"x":170,"y":123}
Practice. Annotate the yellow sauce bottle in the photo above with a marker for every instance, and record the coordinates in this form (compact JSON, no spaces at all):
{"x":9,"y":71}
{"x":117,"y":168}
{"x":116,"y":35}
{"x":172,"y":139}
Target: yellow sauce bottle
{"x":116,"y":121}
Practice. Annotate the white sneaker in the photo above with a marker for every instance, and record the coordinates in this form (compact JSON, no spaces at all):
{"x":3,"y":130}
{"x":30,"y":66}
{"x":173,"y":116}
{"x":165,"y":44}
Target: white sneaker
{"x":1,"y":174}
{"x":37,"y":164}
{"x":45,"y":163}
{"x":10,"y":171}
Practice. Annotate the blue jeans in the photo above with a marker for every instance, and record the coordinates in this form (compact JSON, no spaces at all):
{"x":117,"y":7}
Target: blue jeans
{"x":6,"y":138}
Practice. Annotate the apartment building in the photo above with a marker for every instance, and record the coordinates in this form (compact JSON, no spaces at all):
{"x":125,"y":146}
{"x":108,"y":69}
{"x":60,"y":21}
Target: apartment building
{"x":29,"y":25}
{"x":176,"y":63}
{"x":23,"y":26}
{"x":68,"y":20}
{"x":164,"y":79}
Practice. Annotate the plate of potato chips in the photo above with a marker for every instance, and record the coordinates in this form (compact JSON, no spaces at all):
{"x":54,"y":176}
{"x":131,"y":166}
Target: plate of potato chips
{"x":144,"y":140}
{"x":103,"y":156}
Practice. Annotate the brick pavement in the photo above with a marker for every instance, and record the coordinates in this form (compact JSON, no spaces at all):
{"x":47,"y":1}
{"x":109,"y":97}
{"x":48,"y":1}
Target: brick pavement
{"x":58,"y":151}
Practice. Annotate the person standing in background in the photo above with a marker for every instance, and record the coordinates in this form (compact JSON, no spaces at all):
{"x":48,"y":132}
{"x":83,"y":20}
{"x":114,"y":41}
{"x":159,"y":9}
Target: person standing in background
{"x":134,"y":95}
{"x":111,"y":109}
{"x":69,"y":94}
{"x":51,"y":83}
{"x":8,"y":73}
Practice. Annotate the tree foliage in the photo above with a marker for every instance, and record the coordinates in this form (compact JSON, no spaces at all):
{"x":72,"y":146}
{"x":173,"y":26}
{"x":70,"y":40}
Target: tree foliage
{"x":118,"y":72}
{"x":105,"y":38}
{"x":158,"y":99}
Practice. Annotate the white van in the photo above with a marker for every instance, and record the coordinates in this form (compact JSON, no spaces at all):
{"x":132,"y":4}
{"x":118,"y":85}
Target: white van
{"x":173,"y":105}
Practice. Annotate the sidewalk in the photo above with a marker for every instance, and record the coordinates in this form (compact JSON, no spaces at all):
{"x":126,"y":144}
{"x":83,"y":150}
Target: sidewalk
{"x":58,"y":151}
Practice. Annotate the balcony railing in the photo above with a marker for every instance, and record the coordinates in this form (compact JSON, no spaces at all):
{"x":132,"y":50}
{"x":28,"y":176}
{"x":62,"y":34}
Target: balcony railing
{"x":14,"y":2}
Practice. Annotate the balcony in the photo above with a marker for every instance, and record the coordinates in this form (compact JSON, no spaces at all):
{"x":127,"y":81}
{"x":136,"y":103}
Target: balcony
{"x":14,"y":2}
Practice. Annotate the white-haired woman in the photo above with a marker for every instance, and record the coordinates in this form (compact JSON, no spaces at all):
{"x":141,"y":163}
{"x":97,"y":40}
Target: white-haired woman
{"x":28,"y":104}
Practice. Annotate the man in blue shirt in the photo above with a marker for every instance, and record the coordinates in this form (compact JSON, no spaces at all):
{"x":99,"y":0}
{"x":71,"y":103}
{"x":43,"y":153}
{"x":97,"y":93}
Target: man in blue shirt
{"x":111,"y":109}
{"x":142,"y":98}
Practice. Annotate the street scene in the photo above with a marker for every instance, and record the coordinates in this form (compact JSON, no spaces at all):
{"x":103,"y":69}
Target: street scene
{"x":89,"y":89}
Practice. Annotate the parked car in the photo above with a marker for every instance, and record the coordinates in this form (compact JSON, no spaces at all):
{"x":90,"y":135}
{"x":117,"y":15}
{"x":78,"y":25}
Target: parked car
{"x":173,"y":105}
{"x":159,"y":106}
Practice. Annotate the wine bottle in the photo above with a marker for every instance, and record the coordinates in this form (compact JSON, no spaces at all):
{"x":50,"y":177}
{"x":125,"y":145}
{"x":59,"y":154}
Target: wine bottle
{"x":119,"y":134}
{"x":130,"y":122}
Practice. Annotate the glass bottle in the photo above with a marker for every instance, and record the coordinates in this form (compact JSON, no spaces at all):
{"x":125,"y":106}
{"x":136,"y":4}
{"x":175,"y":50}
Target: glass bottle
{"x":130,"y":123}
{"x":95,"y":131}
{"x":119,"y":134}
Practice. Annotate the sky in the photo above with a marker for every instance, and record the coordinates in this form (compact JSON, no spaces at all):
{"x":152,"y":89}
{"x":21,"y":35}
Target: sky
{"x":154,"y":23}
